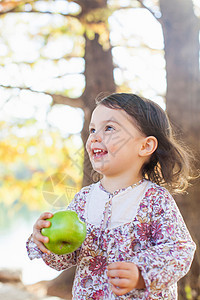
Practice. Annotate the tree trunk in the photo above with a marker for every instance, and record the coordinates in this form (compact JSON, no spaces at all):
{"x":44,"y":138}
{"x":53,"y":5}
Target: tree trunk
{"x":99,"y":79}
{"x":181,"y":36}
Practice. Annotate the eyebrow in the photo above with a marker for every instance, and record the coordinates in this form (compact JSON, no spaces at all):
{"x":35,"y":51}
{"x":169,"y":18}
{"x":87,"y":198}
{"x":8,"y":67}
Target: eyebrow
{"x":106,"y":121}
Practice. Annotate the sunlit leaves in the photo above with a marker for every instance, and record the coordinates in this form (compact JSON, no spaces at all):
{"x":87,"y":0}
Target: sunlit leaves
{"x":123,"y":3}
{"x":59,"y":6}
{"x":27,"y":162}
{"x":46,"y":40}
{"x":137,"y":52}
{"x":34,"y":46}
{"x":9,"y":5}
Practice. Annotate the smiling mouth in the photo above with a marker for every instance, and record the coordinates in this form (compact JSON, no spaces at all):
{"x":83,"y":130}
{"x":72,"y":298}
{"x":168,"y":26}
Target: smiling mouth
{"x":98,"y":153}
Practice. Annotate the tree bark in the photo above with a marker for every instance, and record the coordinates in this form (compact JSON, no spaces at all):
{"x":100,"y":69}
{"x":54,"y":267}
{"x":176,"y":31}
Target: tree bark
{"x":181,"y":36}
{"x":99,"y":79}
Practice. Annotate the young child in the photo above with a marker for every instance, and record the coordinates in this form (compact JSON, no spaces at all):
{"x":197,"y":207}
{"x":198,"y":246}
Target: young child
{"x":137,"y":244}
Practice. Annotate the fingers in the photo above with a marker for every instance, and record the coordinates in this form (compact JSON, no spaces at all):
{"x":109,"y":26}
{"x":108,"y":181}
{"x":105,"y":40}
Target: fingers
{"x":120,"y":286}
{"x":119,"y":278}
{"x":42,"y":247}
{"x":119,"y":282}
{"x":118,"y":273}
{"x":119,"y":291}
{"x":38,"y":238}
{"x":119,"y":265}
{"x":46,"y":215}
{"x":118,"y":269}
{"x":123,"y":277}
{"x":41,"y":223}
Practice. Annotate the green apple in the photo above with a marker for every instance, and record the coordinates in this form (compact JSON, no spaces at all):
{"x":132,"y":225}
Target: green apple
{"x":66,"y":232}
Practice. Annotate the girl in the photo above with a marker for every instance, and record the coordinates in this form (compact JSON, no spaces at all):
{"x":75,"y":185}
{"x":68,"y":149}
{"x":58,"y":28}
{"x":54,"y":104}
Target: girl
{"x":137,"y":245}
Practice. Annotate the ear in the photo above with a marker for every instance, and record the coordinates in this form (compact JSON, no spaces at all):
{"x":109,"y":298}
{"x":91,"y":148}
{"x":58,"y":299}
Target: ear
{"x":149,"y":145}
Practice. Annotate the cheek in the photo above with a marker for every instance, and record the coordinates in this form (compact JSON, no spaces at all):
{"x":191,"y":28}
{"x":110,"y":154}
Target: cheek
{"x":112,"y":149}
{"x":88,"y":145}
{"x":116,"y":145}
{"x":118,"y":142}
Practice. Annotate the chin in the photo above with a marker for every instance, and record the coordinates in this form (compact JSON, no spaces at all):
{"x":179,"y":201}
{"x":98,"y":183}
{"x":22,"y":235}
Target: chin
{"x":104,"y":172}
{"x":100,"y":169}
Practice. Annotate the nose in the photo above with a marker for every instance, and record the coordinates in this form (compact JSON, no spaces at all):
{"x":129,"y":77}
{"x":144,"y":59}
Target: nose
{"x":96,"y":137}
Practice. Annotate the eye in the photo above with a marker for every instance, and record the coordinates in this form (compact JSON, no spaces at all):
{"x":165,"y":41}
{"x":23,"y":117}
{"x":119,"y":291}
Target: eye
{"x":109,"y":128}
{"x":91,"y":130}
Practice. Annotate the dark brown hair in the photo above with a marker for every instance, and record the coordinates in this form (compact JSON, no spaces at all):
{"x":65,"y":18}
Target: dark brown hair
{"x":170,"y":163}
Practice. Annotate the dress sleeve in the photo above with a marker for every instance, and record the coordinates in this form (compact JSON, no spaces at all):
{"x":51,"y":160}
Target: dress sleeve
{"x":171,"y":250}
{"x":55,"y":261}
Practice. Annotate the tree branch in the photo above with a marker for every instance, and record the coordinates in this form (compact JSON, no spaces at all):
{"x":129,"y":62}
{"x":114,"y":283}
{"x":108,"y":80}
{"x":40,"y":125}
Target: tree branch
{"x":39,"y":12}
{"x":15,"y":10}
{"x":60,"y":99}
{"x":57,"y":99}
{"x":67,"y":57}
{"x":66,"y":74}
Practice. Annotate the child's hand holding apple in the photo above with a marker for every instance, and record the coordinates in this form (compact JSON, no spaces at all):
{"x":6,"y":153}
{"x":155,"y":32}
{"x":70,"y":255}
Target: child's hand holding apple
{"x":38,"y":238}
{"x":61,"y":233}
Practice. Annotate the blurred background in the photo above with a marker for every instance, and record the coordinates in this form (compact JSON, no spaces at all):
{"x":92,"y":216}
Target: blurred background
{"x":56,"y":56}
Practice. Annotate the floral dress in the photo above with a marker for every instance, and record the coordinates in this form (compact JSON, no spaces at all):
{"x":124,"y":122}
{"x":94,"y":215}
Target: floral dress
{"x":141,"y":225}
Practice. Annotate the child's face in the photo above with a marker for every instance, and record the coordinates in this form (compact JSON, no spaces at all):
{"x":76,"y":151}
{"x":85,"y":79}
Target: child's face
{"x":113,"y":132}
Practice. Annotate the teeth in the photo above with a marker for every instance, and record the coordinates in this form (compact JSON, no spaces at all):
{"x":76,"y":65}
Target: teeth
{"x":97,"y":150}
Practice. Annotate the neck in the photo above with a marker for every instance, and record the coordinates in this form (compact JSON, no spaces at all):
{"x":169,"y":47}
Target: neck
{"x":112,"y":184}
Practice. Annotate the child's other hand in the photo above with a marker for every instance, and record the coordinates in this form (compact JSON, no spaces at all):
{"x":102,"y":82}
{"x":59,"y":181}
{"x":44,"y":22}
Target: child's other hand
{"x":124,"y":277}
{"x":38,"y":238}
